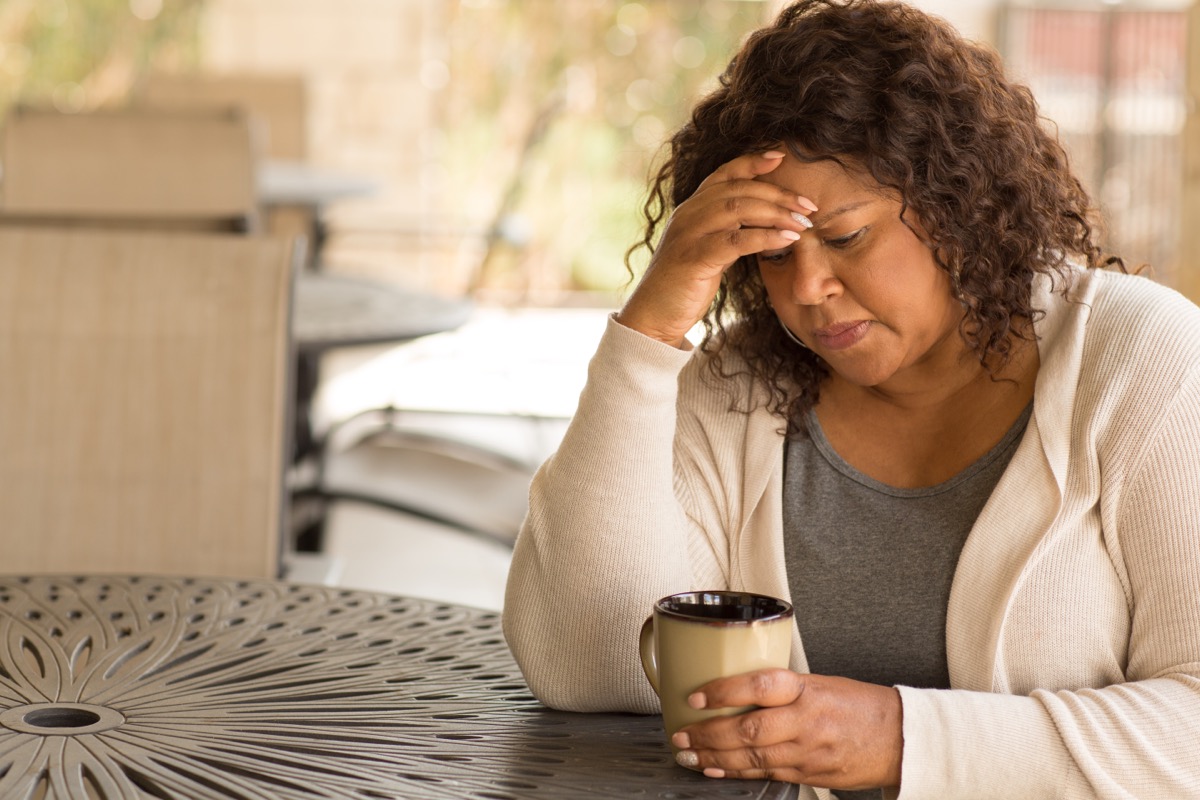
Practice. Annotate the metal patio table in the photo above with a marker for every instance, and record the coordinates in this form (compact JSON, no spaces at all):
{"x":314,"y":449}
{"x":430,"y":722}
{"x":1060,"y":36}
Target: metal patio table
{"x":155,"y":687}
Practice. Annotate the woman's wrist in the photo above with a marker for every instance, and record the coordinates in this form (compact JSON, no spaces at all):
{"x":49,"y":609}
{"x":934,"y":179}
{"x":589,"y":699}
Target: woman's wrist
{"x":667,"y":334}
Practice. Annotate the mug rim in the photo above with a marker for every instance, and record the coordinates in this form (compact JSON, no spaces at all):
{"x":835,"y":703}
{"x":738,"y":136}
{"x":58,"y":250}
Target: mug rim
{"x":786,"y":610}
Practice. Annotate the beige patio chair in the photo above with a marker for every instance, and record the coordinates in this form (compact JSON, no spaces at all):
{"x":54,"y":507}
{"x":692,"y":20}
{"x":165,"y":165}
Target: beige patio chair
{"x":133,"y":168}
{"x":144,"y":396}
{"x":278,"y":107}
{"x":278,"y":102}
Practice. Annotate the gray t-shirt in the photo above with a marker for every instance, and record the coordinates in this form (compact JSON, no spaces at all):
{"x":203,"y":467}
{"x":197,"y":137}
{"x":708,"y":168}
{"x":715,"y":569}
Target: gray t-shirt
{"x":870,"y":565}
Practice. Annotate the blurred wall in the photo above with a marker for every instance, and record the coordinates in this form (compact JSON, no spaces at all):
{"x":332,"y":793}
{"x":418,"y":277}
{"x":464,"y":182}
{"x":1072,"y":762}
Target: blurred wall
{"x":375,"y":69}
{"x":976,"y":19}
{"x":372,"y":68}
{"x":1189,"y":278}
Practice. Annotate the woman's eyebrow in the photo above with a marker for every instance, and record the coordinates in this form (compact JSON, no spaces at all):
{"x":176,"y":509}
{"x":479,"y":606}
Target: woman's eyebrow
{"x":820,"y":218}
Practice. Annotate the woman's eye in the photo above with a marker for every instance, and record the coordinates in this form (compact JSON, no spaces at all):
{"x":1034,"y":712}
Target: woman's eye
{"x":847,"y":240}
{"x":773,"y":256}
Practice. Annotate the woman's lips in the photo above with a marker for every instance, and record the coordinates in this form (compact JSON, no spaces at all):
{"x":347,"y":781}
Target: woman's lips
{"x":843,"y":334}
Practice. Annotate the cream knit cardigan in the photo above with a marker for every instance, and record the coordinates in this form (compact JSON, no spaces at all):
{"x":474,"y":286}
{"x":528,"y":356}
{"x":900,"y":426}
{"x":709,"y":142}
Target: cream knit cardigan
{"x":1073,"y":627}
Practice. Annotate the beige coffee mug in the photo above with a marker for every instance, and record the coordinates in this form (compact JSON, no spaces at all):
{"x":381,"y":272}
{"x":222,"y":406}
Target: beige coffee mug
{"x":696,"y":637}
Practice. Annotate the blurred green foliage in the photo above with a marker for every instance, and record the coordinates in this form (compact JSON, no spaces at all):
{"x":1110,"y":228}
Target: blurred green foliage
{"x":559,"y":109}
{"x":80,"y":54}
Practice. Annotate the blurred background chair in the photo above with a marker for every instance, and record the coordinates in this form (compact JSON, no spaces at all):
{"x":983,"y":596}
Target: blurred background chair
{"x":145,"y":380}
{"x":130,"y":168}
{"x":279,"y":102}
{"x":161,"y":162}
{"x":147,"y":170}
{"x":382,"y":457}
{"x":277,"y":106}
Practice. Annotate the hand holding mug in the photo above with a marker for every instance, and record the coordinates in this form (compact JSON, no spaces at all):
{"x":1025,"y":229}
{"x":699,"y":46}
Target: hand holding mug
{"x":818,"y":730}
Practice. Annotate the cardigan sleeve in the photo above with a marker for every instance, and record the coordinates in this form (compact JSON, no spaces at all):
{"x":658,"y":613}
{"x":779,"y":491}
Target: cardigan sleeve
{"x":606,"y":534}
{"x":1131,"y":739}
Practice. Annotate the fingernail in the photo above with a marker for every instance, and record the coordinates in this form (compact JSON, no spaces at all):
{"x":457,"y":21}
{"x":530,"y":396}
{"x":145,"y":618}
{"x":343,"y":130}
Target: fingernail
{"x":772,"y":154}
{"x":697,"y":699}
{"x":687,"y":758}
{"x":809,"y":204}
{"x":803,"y":220}
{"x":714,"y":772}
{"x":791,"y":236}
{"x":681,"y":740}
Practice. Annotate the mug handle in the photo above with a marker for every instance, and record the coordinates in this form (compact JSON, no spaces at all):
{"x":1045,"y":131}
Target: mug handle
{"x":649,"y":656}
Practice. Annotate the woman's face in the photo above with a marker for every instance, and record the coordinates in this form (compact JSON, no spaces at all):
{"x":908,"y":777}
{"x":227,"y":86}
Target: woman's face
{"x":860,"y":288}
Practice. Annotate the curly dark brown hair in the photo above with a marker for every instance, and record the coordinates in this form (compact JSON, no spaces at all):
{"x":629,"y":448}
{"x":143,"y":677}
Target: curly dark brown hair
{"x":928,"y":114}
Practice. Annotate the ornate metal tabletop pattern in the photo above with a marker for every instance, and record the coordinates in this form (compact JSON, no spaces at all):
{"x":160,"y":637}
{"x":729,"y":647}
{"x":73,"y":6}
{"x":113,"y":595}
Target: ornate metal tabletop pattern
{"x":169,"y":688}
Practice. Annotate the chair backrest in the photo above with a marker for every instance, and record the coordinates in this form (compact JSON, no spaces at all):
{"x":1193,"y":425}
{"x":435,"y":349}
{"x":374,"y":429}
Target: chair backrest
{"x":279,"y":102}
{"x":129,"y":168}
{"x":143,"y":393}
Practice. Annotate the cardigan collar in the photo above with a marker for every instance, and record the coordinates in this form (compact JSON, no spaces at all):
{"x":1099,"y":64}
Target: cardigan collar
{"x":1014,"y":522}
{"x":1060,"y":335}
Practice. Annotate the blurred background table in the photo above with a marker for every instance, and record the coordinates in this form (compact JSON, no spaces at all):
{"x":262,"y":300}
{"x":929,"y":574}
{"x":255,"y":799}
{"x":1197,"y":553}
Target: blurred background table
{"x":342,"y":311}
{"x":133,"y":687}
{"x":295,"y":196}
{"x":293,"y":182}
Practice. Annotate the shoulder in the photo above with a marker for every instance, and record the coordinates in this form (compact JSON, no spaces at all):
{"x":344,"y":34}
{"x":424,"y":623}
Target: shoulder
{"x":1137,"y":304}
{"x":1118,"y":353}
{"x":1130,"y":325}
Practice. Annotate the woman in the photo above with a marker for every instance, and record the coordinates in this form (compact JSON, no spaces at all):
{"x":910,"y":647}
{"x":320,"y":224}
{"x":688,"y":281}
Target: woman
{"x":922,"y":411}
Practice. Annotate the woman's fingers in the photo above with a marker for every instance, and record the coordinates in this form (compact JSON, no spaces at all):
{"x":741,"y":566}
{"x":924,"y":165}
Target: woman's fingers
{"x":716,"y":225}
{"x":760,"y":728}
{"x":729,"y":216}
{"x":744,"y":168}
{"x":720,"y":248}
{"x":784,"y":774}
{"x":740,"y":205}
{"x":764,"y":687}
{"x":762,"y":763}
{"x":791,"y":762}
{"x":713,"y":229}
{"x":747,"y":168}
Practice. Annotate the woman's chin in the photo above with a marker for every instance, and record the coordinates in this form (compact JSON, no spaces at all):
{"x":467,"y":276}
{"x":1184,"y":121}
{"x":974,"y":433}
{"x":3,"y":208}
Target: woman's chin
{"x":863,"y":371}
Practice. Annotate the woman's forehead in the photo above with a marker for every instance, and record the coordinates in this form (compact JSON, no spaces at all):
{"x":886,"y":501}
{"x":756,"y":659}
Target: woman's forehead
{"x":844,"y":181}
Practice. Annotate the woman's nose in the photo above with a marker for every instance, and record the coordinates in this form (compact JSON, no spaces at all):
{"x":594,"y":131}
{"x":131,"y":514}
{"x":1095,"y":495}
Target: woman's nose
{"x":813,"y":278}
